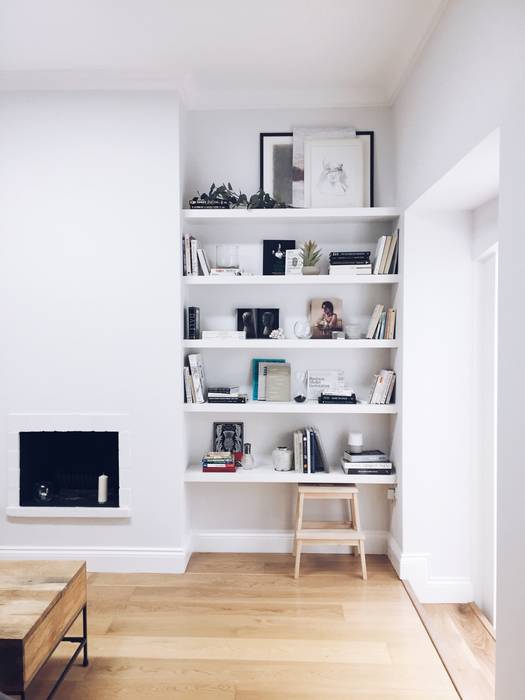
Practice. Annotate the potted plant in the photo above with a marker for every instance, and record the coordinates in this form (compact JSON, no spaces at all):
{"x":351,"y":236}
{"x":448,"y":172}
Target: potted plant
{"x":311,"y":255}
{"x":225,"y":197}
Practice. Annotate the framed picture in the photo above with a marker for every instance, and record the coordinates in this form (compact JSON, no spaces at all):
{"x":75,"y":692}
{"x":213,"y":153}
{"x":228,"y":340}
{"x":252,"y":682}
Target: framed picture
{"x":276,"y":151}
{"x":333,"y":173}
{"x":294,"y":262}
{"x":303,"y":134}
{"x":229,"y":437}
{"x":274,"y":256}
{"x":326,"y":316}
{"x":267,"y":321}
{"x":247,"y":322}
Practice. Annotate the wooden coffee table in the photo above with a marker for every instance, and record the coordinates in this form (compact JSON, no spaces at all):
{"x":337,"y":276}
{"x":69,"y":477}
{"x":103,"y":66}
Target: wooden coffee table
{"x":39,"y":601}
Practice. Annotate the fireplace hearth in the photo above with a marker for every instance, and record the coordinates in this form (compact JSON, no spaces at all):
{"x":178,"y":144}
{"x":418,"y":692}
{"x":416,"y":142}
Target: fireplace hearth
{"x":61,"y":468}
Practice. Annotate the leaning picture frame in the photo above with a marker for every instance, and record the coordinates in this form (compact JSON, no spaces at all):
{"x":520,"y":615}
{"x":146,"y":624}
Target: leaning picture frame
{"x":334,"y":173}
{"x":275,"y":164}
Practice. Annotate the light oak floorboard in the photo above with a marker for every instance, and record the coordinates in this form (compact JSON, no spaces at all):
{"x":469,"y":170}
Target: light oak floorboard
{"x":238,"y":627}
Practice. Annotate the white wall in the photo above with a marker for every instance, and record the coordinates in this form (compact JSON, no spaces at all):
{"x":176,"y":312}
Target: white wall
{"x":89,"y":206}
{"x":468,"y":82}
{"x":484,"y":227}
{"x":223,"y":146}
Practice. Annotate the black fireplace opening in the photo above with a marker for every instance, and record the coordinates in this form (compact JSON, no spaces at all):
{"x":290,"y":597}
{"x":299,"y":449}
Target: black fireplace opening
{"x":62,"y":469}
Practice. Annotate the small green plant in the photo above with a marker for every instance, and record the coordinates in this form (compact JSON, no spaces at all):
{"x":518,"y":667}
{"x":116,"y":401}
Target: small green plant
{"x":310,"y":254}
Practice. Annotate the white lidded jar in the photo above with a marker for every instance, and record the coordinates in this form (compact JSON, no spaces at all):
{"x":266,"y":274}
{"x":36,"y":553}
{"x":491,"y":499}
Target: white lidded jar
{"x":282,"y":459}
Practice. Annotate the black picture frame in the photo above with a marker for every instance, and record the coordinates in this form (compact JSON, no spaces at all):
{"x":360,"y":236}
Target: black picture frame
{"x":228,"y":437}
{"x":268,"y":134}
{"x":267,"y":321}
{"x":247,"y":321}
{"x":274,"y":255}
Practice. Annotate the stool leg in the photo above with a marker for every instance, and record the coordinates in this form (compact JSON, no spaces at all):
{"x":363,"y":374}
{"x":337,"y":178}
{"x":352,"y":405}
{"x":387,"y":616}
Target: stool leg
{"x":357,"y":522}
{"x":351,"y":521}
{"x":298,"y":547}
{"x":296,"y":523}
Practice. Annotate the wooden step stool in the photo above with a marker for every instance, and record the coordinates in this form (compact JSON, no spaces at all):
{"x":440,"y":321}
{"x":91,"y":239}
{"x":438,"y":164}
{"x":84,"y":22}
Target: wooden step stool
{"x":347,"y":532}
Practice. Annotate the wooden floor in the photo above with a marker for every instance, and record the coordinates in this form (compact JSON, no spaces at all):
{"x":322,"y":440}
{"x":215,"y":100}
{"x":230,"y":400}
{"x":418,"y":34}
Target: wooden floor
{"x":238,"y":627}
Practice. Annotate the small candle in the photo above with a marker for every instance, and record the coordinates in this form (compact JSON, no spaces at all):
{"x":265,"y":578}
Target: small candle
{"x":355,"y":442}
{"x":102,"y":488}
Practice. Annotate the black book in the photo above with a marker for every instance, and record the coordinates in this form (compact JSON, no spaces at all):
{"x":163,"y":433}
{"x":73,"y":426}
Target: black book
{"x":193,"y":323}
{"x":226,"y":399}
{"x":336,"y":257}
{"x":370,"y":472}
{"x":333,"y":398}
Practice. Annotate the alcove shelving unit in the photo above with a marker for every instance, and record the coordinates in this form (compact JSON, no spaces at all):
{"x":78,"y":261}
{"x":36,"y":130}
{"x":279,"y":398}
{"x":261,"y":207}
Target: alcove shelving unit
{"x":227,"y":362}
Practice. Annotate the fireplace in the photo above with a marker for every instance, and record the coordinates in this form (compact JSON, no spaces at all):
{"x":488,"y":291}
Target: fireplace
{"x":61,"y":468}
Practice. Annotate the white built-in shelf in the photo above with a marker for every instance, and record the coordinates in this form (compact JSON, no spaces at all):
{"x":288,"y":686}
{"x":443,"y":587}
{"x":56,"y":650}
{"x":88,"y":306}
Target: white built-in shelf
{"x":268,"y":216}
{"x":288,"y":280}
{"x":274,"y":407}
{"x":266,"y":474}
{"x":289,"y":344}
{"x":50,"y":512}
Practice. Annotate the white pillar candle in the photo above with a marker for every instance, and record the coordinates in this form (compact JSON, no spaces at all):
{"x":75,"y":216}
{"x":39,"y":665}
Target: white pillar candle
{"x":102,"y":488}
{"x":355,"y":442}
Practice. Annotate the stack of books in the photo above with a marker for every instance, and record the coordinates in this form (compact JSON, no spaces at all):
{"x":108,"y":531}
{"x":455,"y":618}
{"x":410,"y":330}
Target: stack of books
{"x":223,"y":335}
{"x":382,"y":388}
{"x":192,"y":323}
{"x":194,"y":259}
{"x":338,"y":396}
{"x":367,"y":462}
{"x":309,"y":455}
{"x":226,"y":394}
{"x":218,"y":462}
{"x":225,"y":271}
{"x":386,"y":257}
{"x":350,"y":263}
{"x":195,"y":380}
{"x":271,"y":380}
{"x":382,"y":325}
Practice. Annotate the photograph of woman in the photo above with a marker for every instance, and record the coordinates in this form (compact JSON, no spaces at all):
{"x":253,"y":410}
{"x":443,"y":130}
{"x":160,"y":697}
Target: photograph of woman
{"x":326,"y":317}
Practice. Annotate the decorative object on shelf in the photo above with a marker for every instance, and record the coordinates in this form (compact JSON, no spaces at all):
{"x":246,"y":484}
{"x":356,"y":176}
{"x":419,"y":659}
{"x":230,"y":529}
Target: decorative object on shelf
{"x":103,"y":488}
{"x":277,"y":334}
{"x":43,"y":492}
{"x":355,"y":442}
{"x":319,"y":380}
{"x":299,"y":388}
{"x":353,"y":330}
{"x":229,"y":437}
{"x":302,"y":330}
{"x":294,"y":262}
{"x":193,"y":323}
{"x":338,"y":335}
{"x":225,"y":197}
{"x":326,"y":316}
{"x":311,"y":256}
{"x":274,"y":256}
{"x":227,"y":256}
{"x":267,"y":321}
{"x":282,"y":459}
{"x":247,"y":461}
{"x":276,"y":155}
{"x":247,"y":322}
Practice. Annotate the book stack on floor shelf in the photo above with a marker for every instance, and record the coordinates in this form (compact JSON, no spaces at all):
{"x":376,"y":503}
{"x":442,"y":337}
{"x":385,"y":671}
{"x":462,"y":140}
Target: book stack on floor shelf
{"x":366,"y":462}
{"x":226,"y":394}
{"x":217,"y":462}
{"x":382,"y":325}
{"x":309,"y":455}
{"x":382,"y":390}
{"x":386,"y":256}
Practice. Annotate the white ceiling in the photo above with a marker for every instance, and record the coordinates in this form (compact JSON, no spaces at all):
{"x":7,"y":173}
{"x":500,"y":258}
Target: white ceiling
{"x":233,"y":53}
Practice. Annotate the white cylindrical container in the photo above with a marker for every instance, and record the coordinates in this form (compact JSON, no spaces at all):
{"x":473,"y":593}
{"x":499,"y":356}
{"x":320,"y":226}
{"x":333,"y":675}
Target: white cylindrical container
{"x":282,"y":459}
{"x":355,"y":443}
{"x":102,"y":488}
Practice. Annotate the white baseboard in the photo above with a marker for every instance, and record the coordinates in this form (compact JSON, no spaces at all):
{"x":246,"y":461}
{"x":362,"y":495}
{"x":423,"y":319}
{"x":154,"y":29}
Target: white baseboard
{"x":165,"y":560}
{"x":415,"y":568}
{"x":272,"y":541}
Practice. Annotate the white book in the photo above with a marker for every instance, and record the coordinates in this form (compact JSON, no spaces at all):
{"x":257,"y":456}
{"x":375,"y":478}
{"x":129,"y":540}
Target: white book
{"x":372,"y":389}
{"x":278,"y":381}
{"x":194,"y":259}
{"x":350,"y":270}
{"x":237,"y":335}
{"x":187,"y":253}
{"x":197,"y":377}
{"x":374,"y":320}
{"x":384,"y":256}
{"x":391,"y":251}
{"x":391,"y":388}
{"x":187,"y":386}
{"x":378,"y":389}
{"x":298,"y":450}
{"x":203,"y":263}
{"x":319,"y":380}
{"x":379,"y":254}
{"x":308,"y":451}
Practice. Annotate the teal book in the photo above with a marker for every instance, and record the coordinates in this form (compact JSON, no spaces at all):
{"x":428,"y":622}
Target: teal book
{"x":255,"y":375}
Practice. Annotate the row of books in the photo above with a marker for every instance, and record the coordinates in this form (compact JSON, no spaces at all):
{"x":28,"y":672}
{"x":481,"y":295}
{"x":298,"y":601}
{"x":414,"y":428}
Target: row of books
{"x":386,"y":256}
{"x":366,"y":462}
{"x":219,"y":462}
{"x":271,"y":380}
{"x":309,"y":455}
{"x":382,"y":325}
{"x":195,"y":389}
{"x":350,"y":263}
{"x":195,"y":260}
{"x":382,"y":389}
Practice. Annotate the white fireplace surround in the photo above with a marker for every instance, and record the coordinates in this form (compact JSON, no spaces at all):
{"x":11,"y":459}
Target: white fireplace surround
{"x":24,"y":422}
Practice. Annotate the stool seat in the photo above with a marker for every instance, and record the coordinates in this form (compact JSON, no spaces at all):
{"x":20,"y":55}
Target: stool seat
{"x":347,"y":532}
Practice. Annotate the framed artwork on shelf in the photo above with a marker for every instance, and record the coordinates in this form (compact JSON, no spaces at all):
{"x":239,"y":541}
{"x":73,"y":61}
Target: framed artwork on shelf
{"x":275,"y":160}
{"x":247,"y":322}
{"x":229,"y":437}
{"x":274,"y":256}
{"x":267,"y":321}
{"x":333,"y":173}
{"x":294,"y":262}
{"x":326,"y":317}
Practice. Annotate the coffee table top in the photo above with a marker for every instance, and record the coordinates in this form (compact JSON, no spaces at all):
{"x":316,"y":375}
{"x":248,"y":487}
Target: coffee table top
{"x":28,"y":589}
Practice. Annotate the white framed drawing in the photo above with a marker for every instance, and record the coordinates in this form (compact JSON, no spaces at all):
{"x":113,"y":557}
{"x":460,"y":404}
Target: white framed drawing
{"x":334,"y":172}
{"x":294,"y":262}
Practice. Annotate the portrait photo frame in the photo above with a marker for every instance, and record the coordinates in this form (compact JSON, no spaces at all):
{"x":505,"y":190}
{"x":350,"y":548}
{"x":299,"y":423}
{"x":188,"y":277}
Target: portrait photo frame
{"x":276,"y":165}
